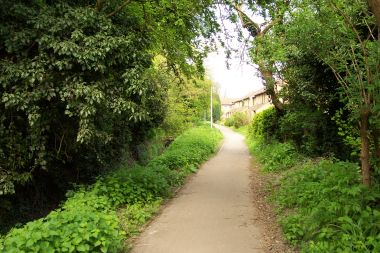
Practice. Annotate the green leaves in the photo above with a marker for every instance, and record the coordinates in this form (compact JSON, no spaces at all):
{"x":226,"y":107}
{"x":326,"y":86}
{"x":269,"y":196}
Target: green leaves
{"x":331,"y":209}
{"x":87,"y":221}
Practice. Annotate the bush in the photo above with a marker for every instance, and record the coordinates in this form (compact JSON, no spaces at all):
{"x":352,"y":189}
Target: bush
{"x":136,"y":215}
{"x":275,"y":156}
{"x":237,"y":120}
{"x":313,"y":132}
{"x":229,"y":122}
{"x":240,"y":119}
{"x":78,"y":228}
{"x":264,"y":125}
{"x":87,"y":222}
{"x":332,"y":211}
{"x":323,"y":205}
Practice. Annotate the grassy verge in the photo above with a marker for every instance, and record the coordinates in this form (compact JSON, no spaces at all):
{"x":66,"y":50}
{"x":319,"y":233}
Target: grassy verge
{"x":242,"y":130}
{"x":322,"y":205}
{"x":98,"y":218}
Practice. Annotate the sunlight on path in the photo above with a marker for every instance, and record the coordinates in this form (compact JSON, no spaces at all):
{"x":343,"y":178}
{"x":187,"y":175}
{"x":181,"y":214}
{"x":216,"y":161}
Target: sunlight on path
{"x":213,"y":213}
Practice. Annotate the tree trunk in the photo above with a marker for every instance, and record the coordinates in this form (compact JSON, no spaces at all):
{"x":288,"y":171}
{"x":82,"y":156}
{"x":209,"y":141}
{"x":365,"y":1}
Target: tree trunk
{"x":364,"y":153}
{"x":375,"y":138}
{"x":256,"y":32}
{"x":374,"y":6}
{"x":269,"y":85}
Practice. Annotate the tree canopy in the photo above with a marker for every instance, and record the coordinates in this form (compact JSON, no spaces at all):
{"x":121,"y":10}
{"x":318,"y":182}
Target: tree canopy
{"x":79,"y":84}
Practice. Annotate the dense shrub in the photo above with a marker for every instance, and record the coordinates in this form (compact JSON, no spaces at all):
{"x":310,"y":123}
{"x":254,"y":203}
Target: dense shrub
{"x":136,"y":215}
{"x":79,"y":84}
{"x":264,"y":125}
{"x":313,"y":133}
{"x":332,"y":211}
{"x":87,"y":221}
{"x":237,"y":120}
{"x":275,"y":156}
{"x":229,"y":122}
{"x":77,"y":227}
{"x":322,"y":204}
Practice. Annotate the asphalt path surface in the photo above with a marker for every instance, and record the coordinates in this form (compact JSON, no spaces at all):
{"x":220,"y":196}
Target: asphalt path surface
{"x":213,"y":212}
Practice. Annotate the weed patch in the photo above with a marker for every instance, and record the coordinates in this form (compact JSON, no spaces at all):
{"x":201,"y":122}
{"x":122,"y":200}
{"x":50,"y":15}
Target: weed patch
{"x":88,"y":222}
{"x":275,"y":156}
{"x":323,"y":206}
{"x":331,"y":210}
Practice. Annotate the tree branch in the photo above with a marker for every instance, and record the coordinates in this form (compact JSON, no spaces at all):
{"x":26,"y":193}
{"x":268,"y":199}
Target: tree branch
{"x":269,"y":26}
{"x":247,"y":22}
{"x":118,"y":8}
{"x":98,"y":5}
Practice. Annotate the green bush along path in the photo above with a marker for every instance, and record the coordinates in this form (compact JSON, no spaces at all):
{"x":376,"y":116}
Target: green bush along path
{"x":213,"y":212}
{"x":88,"y":221}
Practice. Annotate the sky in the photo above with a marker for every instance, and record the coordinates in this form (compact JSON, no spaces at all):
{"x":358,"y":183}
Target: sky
{"x":240,"y":78}
{"x":234,"y":82}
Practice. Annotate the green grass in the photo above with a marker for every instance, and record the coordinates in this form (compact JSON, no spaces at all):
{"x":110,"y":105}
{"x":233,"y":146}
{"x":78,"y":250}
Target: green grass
{"x":242,"y":130}
{"x":88,"y":221}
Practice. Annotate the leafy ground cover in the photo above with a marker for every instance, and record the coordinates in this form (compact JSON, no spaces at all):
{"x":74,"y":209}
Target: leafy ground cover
{"x":321,"y":202}
{"x":99,"y":217}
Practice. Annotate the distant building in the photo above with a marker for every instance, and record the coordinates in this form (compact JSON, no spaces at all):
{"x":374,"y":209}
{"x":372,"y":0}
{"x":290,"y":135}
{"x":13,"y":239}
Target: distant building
{"x":226,"y":104}
{"x":252,"y":103}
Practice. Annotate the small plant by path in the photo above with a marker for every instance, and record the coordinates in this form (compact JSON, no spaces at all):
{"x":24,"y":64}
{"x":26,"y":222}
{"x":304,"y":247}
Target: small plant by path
{"x":88,"y":222}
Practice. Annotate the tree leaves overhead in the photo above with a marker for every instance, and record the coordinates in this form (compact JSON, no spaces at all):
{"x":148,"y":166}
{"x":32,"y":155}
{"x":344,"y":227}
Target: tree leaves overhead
{"x":68,"y":67}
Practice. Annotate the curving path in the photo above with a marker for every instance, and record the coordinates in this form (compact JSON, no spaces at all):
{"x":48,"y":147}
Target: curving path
{"x":213,"y":213}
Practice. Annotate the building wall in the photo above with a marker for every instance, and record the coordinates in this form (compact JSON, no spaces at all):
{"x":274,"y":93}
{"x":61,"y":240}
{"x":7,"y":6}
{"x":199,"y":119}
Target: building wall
{"x":251,"y":104}
{"x":226,"y":111}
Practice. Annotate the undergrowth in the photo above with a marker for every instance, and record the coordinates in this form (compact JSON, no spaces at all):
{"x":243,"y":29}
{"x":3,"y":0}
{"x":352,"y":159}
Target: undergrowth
{"x":275,"y":156}
{"x":326,"y":209}
{"x":88,"y":221}
{"x":322,"y":205}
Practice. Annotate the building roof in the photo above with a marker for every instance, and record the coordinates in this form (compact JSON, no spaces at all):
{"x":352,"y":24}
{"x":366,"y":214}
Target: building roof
{"x":250,"y":94}
{"x":227,"y":101}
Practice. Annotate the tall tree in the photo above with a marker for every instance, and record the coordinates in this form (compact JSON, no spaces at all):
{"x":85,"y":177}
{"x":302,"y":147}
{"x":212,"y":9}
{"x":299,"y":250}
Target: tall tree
{"x":340,"y":33}
{"x":275,"y":10}
{"x":77,"y":84}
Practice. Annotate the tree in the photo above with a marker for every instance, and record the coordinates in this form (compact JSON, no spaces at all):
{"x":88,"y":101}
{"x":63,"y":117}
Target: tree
{"x":340,"y":33}
{"x":266,"y":65}
{"x":78,"y":85}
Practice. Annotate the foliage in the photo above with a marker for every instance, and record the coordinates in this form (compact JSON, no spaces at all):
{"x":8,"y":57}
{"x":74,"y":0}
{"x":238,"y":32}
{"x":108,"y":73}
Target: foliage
{"x":275,"y":156}
{"x":136,"y":215}
{"x":331,"y":210}
{"x":87,"y":221}
{"x":322,"y":204}
{"x":340,"y":34}
{"x":188,"y":151}
{"x":77,"y":227}
{"x":229,"y":122}
{"x":79,"y":89}
{"x":188,"y":104}
{"x":237,"y":120}
{"x":327,"y":52}
{"x":58,"y":92}
{"x":335,"y":66}
{"x":314,"y":133}
{"x":216,"y":107}
{"x":264,"y":125}
{"x":242,"y":130}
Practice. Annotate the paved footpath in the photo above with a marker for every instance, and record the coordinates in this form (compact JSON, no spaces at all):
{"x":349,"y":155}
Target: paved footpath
{"x":213,"y":213}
